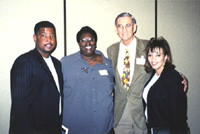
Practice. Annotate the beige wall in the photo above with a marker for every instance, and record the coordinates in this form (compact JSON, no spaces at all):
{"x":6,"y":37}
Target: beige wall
{"x":17,"y":20}
{"x":100,"y":15}
{"x":178,"y":22}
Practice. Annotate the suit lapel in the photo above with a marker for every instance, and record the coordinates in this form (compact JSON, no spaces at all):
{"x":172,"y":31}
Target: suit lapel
{"x":59,"y":73}
{"x":45,"y":67}
{"x":138,"y":68}
{"x":115,"y":54}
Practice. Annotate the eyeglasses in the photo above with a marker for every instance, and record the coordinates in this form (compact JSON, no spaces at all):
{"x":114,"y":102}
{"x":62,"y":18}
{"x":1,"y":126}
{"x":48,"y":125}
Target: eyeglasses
{"x":84,"y":40}
{"x":127,"y":26}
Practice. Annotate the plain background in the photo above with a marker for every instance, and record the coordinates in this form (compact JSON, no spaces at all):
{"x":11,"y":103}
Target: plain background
{"x":178,"y":22}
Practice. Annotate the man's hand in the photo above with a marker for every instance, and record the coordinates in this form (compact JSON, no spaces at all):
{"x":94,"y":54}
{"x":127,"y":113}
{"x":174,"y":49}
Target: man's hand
{"x":185,"y":82}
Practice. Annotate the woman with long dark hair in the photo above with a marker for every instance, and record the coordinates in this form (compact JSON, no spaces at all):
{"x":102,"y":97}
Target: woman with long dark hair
{"x":164,"y":99}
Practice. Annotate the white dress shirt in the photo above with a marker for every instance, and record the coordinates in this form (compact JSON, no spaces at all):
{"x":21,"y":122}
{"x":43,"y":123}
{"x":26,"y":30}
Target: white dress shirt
{"x":132,"y":52}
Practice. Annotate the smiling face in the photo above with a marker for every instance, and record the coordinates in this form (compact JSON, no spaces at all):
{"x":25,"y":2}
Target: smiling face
{"x":45,"y":40}
{"x":157,"y":60}
{"x":125,"y":29}
{"x":87,"y":45}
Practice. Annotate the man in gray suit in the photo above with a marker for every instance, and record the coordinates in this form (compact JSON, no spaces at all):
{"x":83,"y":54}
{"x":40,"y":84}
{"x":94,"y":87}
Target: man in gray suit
{"x":128,"y":109}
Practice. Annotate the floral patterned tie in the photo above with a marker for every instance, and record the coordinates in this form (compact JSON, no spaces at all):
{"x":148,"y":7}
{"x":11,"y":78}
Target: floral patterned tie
{"x":126,"y":71}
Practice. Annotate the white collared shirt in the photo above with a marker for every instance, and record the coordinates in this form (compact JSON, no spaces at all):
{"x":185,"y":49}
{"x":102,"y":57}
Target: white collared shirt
{"x":132,"y":52}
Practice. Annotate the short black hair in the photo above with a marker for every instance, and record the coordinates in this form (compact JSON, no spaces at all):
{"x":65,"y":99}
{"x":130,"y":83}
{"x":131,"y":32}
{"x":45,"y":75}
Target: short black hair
{"x":43,"y":24}
{"x":86,"y":29}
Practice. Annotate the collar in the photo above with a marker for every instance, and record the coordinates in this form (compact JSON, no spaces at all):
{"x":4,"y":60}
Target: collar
{"x":131,"y":45}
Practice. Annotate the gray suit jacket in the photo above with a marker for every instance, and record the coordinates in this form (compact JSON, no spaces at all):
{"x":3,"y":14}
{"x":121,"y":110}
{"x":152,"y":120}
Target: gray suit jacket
{"x":134,"y":94}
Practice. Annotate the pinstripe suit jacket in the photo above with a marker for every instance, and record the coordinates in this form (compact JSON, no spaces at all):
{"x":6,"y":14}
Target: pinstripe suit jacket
{"x":35,"y":97}
{"x":134,"y":95}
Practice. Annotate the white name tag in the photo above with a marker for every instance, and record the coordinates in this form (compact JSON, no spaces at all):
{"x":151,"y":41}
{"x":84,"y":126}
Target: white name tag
{"x":140,"y":61}
{"x":103,"y":72}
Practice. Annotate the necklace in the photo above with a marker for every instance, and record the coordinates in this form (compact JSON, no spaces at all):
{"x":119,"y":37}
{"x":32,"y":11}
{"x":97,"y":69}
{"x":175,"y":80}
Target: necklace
{"x":92,"y":59}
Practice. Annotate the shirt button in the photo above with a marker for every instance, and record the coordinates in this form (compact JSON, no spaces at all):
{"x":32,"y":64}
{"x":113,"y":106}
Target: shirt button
{"x":93,"y":99}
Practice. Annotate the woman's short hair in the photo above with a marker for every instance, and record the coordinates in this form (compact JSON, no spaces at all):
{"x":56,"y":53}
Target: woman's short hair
{"x":86,"y":29}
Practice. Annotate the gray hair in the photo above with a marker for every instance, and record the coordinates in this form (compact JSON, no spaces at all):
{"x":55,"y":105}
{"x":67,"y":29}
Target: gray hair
{"x":125,"y":14}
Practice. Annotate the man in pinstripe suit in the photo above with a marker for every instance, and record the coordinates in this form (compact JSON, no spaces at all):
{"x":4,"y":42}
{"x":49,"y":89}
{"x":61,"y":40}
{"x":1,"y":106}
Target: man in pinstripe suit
{"x":36,"y":86}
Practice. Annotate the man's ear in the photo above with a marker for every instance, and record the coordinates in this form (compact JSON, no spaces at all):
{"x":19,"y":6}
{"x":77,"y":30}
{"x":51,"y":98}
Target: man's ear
{"x":116,"y":29}
{"x":34,"y":38}
{"x":134,"y":28}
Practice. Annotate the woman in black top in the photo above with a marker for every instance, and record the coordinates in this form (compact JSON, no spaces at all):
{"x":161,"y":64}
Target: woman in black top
{"x":164,"y":99}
